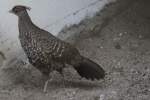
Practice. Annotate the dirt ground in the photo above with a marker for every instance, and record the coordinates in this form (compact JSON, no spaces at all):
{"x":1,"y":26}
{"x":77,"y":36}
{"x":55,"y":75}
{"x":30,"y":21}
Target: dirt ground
{"x":118,"y":38}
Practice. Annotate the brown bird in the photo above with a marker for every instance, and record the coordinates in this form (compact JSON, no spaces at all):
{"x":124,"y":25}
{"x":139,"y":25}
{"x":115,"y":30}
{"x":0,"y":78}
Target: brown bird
{"x":45,"y":51}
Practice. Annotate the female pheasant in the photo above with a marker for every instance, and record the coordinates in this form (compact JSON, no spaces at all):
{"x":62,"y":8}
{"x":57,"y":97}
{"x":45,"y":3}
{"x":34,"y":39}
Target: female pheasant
{"x":45,"y":51}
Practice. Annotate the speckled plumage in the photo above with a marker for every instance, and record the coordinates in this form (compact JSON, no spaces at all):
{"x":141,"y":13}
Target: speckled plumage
{"x":46,"y":51}
{"x":42,"y":48}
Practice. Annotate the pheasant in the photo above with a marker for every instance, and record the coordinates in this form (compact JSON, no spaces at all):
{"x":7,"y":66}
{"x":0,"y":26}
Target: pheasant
{"x":45,"y":51}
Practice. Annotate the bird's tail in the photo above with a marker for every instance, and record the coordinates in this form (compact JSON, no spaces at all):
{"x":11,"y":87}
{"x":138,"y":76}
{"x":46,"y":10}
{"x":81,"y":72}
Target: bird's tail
{"x":90,"y":70}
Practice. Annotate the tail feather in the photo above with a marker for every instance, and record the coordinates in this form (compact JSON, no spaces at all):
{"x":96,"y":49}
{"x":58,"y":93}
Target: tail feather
{"x":90,"y":70}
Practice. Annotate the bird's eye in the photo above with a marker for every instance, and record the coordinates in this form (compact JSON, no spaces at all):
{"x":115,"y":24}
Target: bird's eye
{"x":16,"y":10}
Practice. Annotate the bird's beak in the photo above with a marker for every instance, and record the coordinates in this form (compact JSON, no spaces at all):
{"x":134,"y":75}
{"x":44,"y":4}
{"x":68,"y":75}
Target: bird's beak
{"x":10,"y":11}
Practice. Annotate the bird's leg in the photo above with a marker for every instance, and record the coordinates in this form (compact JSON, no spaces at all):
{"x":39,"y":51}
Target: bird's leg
{"x":47,"y":80}
{"x":61,"y":73}
{"x":63,"y":78}
{"x":45,"y":86}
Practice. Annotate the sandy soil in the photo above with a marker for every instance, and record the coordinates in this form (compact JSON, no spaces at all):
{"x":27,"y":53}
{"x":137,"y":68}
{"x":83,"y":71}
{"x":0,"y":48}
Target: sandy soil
{"x":118,"y":39}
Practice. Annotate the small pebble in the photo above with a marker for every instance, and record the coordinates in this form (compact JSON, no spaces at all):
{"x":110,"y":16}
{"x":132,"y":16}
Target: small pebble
{"x":120,"y":34}
{"x":117,"y":46}
{"x":101,"y":97}
{"x":140,"y":36}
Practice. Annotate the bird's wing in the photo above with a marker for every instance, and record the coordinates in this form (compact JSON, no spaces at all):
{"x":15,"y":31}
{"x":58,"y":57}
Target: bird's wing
{"x":58,"y":49}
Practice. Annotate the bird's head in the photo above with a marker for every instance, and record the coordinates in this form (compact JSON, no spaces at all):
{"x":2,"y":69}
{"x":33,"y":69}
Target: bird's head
{"x":17,"y":10}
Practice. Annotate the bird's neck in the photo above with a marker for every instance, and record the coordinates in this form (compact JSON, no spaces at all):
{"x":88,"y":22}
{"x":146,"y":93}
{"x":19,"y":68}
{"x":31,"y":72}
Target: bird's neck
{"x":25,"y":24}
{"x":24,"y":18}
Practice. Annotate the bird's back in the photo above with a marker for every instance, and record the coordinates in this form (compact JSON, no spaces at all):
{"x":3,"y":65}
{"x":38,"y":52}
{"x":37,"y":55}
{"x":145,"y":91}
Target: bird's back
{"x":42,"y":47}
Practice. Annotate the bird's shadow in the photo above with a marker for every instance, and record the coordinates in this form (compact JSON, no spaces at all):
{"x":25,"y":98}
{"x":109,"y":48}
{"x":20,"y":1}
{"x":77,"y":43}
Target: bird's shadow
{"x":82,"y":84}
